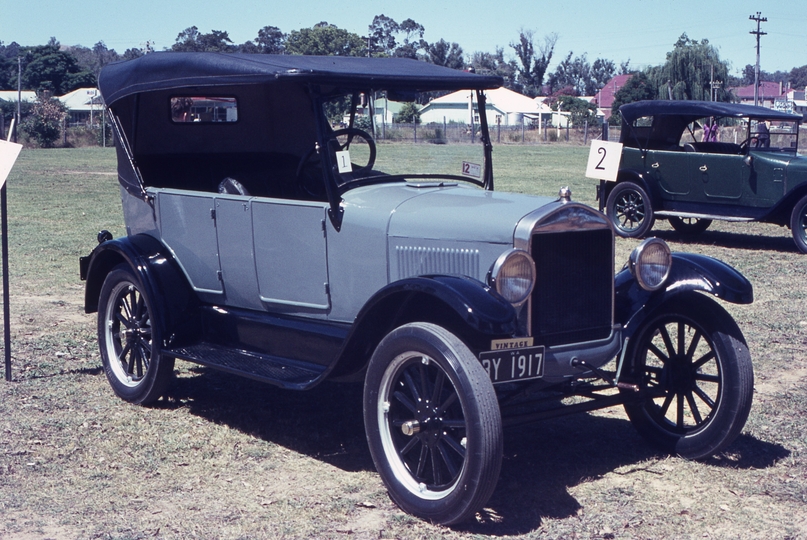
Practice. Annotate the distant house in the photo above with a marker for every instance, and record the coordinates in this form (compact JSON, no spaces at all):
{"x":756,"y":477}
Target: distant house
{"x":82,"y":105}
{"x":11,"y":95}
{"x":605,"y":97}
{"x":769,"y":92}
{"x":504,"y":107}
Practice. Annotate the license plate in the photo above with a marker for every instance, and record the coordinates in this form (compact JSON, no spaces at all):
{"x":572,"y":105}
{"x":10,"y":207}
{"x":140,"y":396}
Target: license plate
{"x":514,"y":364}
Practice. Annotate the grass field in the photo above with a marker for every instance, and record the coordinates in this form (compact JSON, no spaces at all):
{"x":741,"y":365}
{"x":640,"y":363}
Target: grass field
{"x":224,"y":457}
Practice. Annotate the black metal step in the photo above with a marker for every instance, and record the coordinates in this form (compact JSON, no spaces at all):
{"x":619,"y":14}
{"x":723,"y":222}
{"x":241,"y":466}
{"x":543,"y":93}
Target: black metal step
{"x":278,"y":371}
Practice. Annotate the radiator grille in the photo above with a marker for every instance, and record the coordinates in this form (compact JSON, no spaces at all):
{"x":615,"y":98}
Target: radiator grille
{"x":573,"y":295}
{"x":418,"y":261}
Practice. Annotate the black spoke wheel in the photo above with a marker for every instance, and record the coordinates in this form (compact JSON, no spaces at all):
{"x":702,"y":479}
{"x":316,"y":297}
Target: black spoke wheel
{"x":798,"y":224}
{"x":630,"y":210}
{"x":130,"y":341}
{"x":694,"y":373}
{"x":433,"y":423}
{"x":689,"y":225}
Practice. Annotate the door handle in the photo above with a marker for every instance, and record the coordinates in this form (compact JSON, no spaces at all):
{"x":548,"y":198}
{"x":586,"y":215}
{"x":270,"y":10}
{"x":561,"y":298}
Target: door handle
{"x":655,"y":165}
{"x":703,"y":168}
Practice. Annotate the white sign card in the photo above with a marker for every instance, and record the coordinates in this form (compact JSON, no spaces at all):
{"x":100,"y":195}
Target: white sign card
{"x":603,"y":160}
{"x":8,"y":155}
{"x":343,"y":162}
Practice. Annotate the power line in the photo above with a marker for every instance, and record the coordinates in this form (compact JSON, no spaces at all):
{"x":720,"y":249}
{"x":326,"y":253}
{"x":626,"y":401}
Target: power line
{"x":760,"y":19}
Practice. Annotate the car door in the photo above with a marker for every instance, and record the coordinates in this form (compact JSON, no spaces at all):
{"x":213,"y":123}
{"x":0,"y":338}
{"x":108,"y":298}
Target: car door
{"x":718,"y":177}
{"x":291,"y":255}
{"x":187,"y":223}
{"x":670,"y":171}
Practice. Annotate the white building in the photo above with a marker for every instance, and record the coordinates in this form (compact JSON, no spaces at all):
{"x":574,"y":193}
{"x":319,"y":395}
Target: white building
{"x":83,"y":105}
{"x":504,"y":107}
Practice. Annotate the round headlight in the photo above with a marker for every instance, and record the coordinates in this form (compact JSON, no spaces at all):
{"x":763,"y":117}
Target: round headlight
{"x":650,"y":263}
{"x":513,"y":276}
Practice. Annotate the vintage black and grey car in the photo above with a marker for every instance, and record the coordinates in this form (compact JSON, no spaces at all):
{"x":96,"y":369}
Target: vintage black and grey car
{"x":268,"y":236}
{"x":692,"y":162}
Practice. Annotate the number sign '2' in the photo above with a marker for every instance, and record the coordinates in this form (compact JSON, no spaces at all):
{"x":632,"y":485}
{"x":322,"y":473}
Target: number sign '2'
{"x":603,"y":160}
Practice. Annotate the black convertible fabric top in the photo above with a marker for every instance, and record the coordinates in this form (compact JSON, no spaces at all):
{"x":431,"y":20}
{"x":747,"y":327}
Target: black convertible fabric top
{"x":168,"y":70}
{"x":699,"y":109}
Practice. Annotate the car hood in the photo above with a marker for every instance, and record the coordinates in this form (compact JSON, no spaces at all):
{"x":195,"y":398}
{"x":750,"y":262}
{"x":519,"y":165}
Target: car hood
{"x":461,"y":213}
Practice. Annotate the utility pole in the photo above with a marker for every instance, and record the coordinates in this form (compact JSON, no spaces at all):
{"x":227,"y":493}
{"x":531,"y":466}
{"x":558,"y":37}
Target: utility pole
{"x":19,"y":96}
{"x":759,"y":20}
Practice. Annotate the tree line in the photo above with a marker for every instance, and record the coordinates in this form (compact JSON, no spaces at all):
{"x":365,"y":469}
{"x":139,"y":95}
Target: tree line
{"x":688,"y":72}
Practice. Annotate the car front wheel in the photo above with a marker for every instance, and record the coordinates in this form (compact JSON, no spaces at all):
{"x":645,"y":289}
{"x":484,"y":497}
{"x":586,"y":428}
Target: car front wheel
{"x":798,"y":224}
{"x":629,"y":209}
{"x":433,"y":423}
{"x":130,"y":340}
{"x":693,"y":370}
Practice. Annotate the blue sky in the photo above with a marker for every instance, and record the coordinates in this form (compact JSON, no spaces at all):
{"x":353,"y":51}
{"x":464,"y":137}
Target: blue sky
{"x":641,"y":31}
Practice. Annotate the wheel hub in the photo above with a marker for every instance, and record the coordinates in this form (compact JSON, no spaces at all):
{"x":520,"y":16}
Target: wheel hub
{"x":428,"y":426}
{"x":677,"y":375}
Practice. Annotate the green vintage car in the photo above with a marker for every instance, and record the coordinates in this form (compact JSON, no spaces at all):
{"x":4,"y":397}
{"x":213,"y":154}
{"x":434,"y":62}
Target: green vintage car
{"x":692,"y":162}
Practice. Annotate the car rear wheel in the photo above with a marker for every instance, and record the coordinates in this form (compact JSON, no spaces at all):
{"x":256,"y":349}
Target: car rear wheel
{"x":695,"y":378}
{"x":433,"y":423}
{"x":130,"y":340}
{"x":798,"y":224}
{"x":689,"y":225}
{"x":629,"y":209}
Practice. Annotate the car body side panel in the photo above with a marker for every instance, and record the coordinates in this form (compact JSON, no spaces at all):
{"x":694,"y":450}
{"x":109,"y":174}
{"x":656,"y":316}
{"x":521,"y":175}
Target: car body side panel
{"x":236,"y":253}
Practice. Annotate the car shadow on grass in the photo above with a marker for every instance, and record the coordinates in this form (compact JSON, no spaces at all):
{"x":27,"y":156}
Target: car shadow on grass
{"x":541,"y":461}
{"x":755,"y":242}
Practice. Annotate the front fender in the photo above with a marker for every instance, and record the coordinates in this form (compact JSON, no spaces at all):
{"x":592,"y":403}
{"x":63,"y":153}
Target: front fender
{"x":160,"y":276}
{"x":690,"y":272}
{"x":464,"y":306}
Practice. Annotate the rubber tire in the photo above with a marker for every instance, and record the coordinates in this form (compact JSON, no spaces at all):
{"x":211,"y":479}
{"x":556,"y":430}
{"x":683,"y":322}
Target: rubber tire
{"x":630,"y":210}
{"x":405,"y":358}
{"x":683,"y":226}
{"x":710,"y":431}
{"x":798,"y":224}
{"x":145,"y":374}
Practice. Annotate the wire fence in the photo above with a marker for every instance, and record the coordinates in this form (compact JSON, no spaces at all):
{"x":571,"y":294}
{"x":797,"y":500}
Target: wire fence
{"x":448,"y":133}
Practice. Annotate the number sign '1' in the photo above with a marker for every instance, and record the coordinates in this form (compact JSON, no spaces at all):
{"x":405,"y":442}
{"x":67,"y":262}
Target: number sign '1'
{"x":603,"y":160}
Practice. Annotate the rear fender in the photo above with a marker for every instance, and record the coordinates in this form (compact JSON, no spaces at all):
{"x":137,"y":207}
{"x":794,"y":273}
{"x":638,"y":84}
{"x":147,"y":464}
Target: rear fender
{"x":689,"y":273}
{"x":160,"y":276}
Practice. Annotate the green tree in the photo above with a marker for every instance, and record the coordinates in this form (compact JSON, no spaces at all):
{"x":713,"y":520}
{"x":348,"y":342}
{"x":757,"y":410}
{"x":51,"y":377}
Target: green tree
{"x":327,"y":40}
{"x":637,"y":88}
{"x":581,"y":111}
{"x":689,"y":71}
{"x":531,"y":67}
{"x":409,"y":114}
{"x":798,"y":77}
{"x":46,"y":67}
{"x":494,"y":64}
{"x":44,"y":123}
{"x":443,"y":53}
{"x":389,"y":38}
{"x":270,"y":40}
{"x":93,"y":60}
{"x":191,"y":40}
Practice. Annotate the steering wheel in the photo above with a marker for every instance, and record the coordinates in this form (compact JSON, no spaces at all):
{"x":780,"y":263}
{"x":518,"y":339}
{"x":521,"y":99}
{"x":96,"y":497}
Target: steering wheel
{"x":750,"y":142}
{"x":336,"y":146}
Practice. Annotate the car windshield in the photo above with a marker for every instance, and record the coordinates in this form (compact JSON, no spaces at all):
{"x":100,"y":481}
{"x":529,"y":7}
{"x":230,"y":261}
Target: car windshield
{"x":378,"y":136}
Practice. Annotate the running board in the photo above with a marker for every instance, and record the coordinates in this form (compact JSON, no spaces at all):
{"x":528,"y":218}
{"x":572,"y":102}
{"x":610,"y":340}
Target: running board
{"x":281,"y":372}
{"x":667,"y":213}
